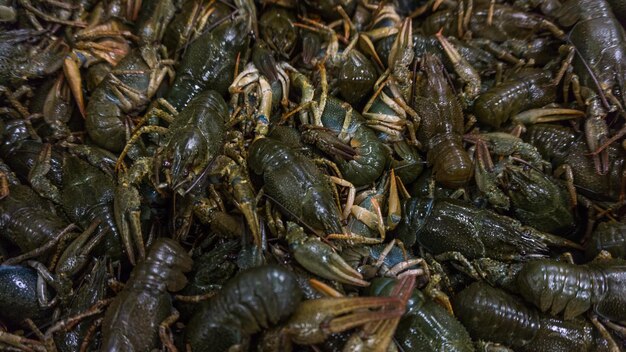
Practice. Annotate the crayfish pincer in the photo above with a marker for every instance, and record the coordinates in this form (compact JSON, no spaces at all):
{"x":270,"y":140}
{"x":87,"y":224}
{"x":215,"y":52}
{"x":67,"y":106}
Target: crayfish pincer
{"x":448,"y":225}
{"x":253,"y":300}
{"x":132,"y":321}
{"x":574,"y":289}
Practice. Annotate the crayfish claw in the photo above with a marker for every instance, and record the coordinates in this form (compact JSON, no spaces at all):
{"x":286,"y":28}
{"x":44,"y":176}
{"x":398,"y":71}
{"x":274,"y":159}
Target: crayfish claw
{"x":325,"y":140}
{"x":402,"y":50}
{"x":72,"y":74}
{"x":464,"y":70}
{"x":377,"y":335}
{"x":315,"y":320}
{"x":126,"y":210}
{"x":320,"y":259}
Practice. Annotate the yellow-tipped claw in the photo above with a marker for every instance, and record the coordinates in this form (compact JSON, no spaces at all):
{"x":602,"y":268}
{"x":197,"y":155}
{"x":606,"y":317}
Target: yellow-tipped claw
{"x":546,"y":115}
{"x":394,"y":209}
{"x":324,"y":289}
{"x":72,"y":74}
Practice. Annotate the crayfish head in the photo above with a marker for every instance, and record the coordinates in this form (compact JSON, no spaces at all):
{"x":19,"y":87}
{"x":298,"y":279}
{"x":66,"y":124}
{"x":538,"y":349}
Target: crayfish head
{"x":186,"y":156}
{"x":325,"y":218}
{"x":436,"y":82}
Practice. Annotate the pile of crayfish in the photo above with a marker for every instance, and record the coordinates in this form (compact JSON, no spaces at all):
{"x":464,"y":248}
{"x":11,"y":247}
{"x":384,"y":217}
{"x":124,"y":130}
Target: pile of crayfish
{"x":332,"y":175}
